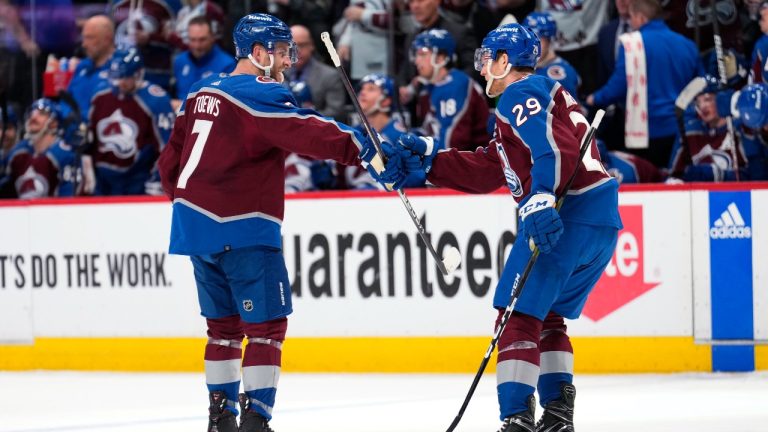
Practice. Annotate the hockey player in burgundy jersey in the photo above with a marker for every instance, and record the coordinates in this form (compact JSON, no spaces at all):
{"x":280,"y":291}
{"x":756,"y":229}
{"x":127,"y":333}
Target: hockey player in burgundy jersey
{"x":535,"y":148}
{"x":707,"y":153}
{"x":224,"y":170}
{"x":450,"y":104}
{"x":42,"y":164}
{"x":129,"y":125}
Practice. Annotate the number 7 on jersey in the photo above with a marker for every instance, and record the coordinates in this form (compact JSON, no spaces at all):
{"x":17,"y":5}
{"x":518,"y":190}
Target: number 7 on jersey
{"x":202,"y":128}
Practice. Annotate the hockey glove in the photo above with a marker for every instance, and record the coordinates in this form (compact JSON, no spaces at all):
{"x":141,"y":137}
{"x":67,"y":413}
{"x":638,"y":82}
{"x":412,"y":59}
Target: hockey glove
{"x":424,"y":147}
{"x":390,"y":175}
{"x":415,"y":175}
{"x":540,"y":221}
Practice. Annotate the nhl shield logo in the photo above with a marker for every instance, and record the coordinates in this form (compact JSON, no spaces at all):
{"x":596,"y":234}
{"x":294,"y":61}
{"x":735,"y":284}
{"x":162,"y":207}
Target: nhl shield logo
{"x":247,"y":305}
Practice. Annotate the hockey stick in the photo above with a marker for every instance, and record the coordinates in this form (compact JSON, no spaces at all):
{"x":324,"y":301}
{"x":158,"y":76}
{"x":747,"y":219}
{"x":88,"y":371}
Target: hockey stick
{"x":724,"y":82}
{"x":452,"y":257}
{"x":520,"y":281}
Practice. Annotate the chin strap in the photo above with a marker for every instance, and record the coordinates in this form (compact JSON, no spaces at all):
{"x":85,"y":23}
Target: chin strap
{"x":491,"y":77}
{"x":34,"y":137}
{"x":267,"y":69}
{"x":436,"y":66}
{"x":377,"y":107}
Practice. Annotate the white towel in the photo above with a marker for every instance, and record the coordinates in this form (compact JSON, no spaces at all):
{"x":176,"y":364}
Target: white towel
{"x":636,"y":120}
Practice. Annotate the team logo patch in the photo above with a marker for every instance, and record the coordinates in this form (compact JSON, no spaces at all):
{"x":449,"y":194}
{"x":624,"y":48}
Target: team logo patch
{"x":556,"y":72}
{"x":265,"y":79}
{"x":156,"y":90}
{"x":247,"y":305}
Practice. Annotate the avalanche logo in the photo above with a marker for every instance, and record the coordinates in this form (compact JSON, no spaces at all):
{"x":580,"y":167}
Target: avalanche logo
{"x":118,"y":134}
{"x":31,"y":184}
{"x":730,"y":225}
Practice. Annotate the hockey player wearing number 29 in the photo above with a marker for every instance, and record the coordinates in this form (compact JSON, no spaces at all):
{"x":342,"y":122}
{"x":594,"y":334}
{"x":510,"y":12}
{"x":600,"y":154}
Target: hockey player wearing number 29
{"x":534,"y":150}
{"x":223,"y":168}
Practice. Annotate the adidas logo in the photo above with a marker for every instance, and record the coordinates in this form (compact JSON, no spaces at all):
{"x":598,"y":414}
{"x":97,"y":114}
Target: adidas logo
{"x":730,"y":225}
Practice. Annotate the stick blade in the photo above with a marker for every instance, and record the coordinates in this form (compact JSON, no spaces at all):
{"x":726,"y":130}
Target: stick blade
{"x":451,"y":259}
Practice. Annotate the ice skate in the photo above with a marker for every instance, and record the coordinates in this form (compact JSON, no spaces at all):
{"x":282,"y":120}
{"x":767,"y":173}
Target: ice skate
{"x":220,"y":419}
{"x":558,"y":414}
{"x":521,"y":422}
{"x":250,"y":420}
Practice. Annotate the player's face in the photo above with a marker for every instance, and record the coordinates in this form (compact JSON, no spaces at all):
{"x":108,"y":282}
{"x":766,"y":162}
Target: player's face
{"x":36,"y":120}
{"x":201,"y":40}
{"x":127,"y":85}
{"x":282,"y":56}
{"x":498,"y":67}
{"x":707,"y":108}
{"x":369,"y":94}
{"x":423,"y":62}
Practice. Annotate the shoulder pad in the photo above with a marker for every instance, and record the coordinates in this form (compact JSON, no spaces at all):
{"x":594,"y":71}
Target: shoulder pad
{"x":556,"y":72}
{"x":265,"y":80}
{"x":155,"y":90}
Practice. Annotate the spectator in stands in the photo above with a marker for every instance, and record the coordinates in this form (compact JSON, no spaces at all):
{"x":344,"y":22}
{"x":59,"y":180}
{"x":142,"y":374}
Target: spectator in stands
{"x":707,"y":151}
{"x":203,"y":58}
{"x":129,"y":124}
{"x":680,"y":16}
{"x":451,"y":106}
{"x":550,"y":64}
{"x":145,"y":25}
{"x":578,"y":23}
{"x":191,"y":10}
{"x":427,"y":16}
{"x":92,"y":74}
{"x":16,"y":46}
{"x":40,"y":165}
{"x":671,"y":61}
{"x":760,"y":53}
{"x":608,"y":41}
{"x":322,"y":82}
{"x":364,"y":38}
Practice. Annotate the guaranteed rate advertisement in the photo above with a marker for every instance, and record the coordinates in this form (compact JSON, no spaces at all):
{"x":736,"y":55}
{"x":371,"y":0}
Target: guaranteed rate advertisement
{"x":357,"y":265}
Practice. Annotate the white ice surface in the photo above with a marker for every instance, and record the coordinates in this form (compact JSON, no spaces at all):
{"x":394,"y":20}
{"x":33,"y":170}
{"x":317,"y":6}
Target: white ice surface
{"x":116,"y":402}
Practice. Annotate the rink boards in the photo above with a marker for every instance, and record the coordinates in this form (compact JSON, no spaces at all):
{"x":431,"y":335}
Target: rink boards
{"x":88,"y":285}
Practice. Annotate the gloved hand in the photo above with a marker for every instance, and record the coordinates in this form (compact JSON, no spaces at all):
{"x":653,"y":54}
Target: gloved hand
{"x":323,"y":175}
{"x":390,"y":174}
{"x":425,"y":147}
{"x":540,"y":221}
{"x":412,"y":163}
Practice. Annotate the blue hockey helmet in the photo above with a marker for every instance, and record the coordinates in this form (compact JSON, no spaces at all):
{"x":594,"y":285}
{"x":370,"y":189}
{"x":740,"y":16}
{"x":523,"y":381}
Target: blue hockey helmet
{"x":542,"y":24}
{"x":521,"y":45}
{"x":125,"y":63}
{"x":387,"y":86}
{"x":45,"y":105}
{"x":753,"y":105}
{"x":435,"y":40}
{"x":263,"y":29}
{"x":712,"y":84}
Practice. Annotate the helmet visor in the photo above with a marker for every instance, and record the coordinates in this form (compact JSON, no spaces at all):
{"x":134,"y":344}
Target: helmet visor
{"x":289,"y":49}
{"x":482,"y":56}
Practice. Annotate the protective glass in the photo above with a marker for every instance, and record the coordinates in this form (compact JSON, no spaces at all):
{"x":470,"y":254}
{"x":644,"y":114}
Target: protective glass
{"x":482,"y":55}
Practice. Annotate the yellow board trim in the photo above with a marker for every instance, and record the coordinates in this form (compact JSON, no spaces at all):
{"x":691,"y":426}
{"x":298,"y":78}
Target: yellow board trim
{"x":359,"y":354}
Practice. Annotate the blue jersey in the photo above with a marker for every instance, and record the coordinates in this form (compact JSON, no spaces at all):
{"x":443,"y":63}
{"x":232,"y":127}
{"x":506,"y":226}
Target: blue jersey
{"x":760,"y":60}
{"x":535,"y":148}
{"x":224,"y":166}
{"x":454,"y":111}
{"x":86,"y":82}
{"x":187,"y":70}
{"x":562,"y":71}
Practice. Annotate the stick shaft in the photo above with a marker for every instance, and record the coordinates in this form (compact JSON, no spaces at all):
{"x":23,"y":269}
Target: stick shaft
{"x":377,"y":144}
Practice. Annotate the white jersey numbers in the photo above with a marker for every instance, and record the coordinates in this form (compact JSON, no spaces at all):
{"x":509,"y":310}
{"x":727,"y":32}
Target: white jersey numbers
{"x":521,"y":116}
{"x":202,"y":128}
{"x":447,"y":107}
{"x":590,"y":163}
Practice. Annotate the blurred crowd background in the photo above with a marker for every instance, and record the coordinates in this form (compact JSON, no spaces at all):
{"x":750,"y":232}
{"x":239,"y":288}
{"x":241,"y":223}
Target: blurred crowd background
{"x":88,"y":90}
